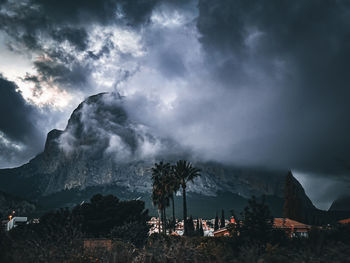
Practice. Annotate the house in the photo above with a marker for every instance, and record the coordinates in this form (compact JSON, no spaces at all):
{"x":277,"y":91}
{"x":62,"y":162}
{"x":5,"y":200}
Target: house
{"x":291,"y":227}
{"x":222,"y":232}
{"x":155,"y":225}
{"x":344,"y":221}
{"x":15,"y":221}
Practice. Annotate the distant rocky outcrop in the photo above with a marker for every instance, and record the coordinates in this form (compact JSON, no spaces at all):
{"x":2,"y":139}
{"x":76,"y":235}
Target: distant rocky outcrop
{"x":298,"y":206}
{"x":341,"y":204}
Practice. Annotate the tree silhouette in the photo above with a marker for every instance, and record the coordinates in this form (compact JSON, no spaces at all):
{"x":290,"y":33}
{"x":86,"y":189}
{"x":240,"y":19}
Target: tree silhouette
{"x":172,"y":185}
{"x":216,"y":224}
{"x":257,"y":221}
{"x":222,"y":223}
{"x":104,"y":213}
{"x":185,"y":173}
{"x":201,"y":232}
{"x":190,"y":227}
{"x":197,"y":227}
{"x":160,"y":191}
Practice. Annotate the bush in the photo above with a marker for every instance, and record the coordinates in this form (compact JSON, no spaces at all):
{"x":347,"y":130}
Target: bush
{"x":133,"y":232}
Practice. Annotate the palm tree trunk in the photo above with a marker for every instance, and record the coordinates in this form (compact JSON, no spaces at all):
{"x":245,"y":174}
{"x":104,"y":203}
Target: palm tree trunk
{"x":160,"y":219}
{"x":184,"y":208}
{"x":164,"y":221}
{"x":174,"y":219}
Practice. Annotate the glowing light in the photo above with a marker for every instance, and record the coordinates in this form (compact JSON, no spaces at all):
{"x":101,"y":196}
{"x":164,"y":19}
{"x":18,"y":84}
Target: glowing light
{"x":167,"y":19}
{"x":45,"y":96}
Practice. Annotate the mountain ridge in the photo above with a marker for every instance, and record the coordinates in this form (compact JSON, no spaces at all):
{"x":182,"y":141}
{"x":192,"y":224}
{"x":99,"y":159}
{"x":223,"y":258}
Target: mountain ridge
{"x":103,"y":146}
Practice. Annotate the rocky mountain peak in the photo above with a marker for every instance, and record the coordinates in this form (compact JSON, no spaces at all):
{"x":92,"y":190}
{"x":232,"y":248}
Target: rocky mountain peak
{"x":102,"y":145}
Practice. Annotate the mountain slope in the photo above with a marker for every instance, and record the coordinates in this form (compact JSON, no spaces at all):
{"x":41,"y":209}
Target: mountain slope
{"x":298,"y":206}
{"x":102,"y":146}
{"x":341,"y":204}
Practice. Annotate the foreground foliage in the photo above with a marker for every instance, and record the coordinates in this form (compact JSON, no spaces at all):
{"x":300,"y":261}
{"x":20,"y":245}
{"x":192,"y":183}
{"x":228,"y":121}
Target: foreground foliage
{"x":322,"y":246}
{"x":60,"y":237}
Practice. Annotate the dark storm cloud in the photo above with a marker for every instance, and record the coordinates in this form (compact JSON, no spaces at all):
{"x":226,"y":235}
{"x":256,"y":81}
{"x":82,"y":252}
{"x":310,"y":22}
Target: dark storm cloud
{"x":16,"y":119}
{"x":20,"y":137}
{"x":41,"y":26}
{"x":76,"y":36}
{"x":76,"y":75}
{"x":105,"y":11}
{"x":65,"y":20}
{"x":57,"y":34}
{"x":298,"y":52}
{"x":309,"y":33}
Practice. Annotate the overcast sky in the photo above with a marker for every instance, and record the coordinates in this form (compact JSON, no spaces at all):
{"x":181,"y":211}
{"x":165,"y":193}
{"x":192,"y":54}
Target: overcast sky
{"x":263,"y":83}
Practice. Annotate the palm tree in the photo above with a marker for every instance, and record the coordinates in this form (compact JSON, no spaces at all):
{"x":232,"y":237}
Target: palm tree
{"x":160,"y":196}
{"x":160,"y":200}
{"x":185,"y":172}
{"x":172,"y":185}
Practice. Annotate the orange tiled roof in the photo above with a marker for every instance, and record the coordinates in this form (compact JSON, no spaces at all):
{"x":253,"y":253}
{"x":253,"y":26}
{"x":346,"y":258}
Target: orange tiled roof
{"x":220,"y":230}
{"x":344,"y":221}
{"x":288,"y":223}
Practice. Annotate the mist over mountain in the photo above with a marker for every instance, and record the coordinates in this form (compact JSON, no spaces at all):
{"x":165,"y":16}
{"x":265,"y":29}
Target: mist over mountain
{"x":238,"y":82}
{"x":102,"y":146}
{"x":105,"y":150}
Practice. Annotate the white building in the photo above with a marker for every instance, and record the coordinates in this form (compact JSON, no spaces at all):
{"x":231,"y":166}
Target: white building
{"x":15,"y":221}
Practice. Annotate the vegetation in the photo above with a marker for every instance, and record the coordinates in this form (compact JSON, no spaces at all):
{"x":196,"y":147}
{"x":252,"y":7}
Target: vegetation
{"x":167,"y":180}
{"x":257,"y":221}
{"x":322,"y":246}
{"x":222,"y":222}
{"x":58,"y":238}
{"x":105,"y":213}
{"x":216,"y":223}
{"x":161,"y":189}
{"x":185,"y":173}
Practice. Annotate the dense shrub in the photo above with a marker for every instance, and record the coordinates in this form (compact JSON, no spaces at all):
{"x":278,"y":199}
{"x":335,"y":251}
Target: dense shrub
{"x":105,"y":213}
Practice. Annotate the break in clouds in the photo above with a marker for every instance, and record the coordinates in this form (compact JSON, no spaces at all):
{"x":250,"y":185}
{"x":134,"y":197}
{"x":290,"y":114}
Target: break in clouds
{"x":241,"y":82}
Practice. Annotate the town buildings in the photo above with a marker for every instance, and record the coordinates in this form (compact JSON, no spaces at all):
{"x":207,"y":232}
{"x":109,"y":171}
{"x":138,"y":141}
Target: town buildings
{"x":291,"y":227}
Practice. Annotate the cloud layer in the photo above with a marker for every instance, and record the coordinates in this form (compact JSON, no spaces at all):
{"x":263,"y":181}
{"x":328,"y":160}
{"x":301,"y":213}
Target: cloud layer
{"x":241,"y":82}
{"x":19,"y":135}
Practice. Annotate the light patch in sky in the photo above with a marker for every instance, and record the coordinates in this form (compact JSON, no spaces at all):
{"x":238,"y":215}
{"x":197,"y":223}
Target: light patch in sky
{"x":13,"y":64}
{"x":48,"y":95}
{"x":166,"y":18}
{"x":252,"y":38}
